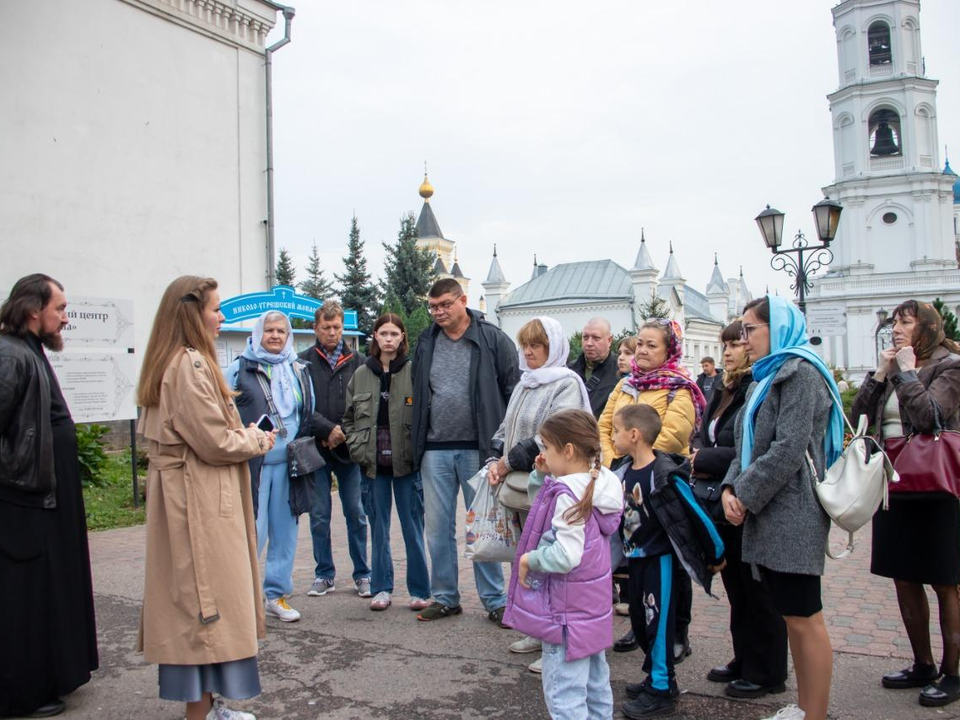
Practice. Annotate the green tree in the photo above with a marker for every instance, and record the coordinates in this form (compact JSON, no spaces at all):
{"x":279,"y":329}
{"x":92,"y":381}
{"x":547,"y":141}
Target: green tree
{"x":655,"y":307}
{"x":409,"y":270}
{"x":285,"y":273}
{"x":950,"y":328}
{"x":357,"y":291}
{"x":316,"y":285}
{"x":418,"y":321}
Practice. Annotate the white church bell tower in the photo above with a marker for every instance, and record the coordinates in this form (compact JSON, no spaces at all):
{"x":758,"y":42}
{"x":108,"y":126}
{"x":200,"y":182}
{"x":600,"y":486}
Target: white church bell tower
{"x":896,"y":239}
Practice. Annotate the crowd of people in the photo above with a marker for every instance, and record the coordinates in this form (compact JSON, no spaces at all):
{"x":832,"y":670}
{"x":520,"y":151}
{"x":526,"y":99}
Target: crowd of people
{"x":619,"y":464}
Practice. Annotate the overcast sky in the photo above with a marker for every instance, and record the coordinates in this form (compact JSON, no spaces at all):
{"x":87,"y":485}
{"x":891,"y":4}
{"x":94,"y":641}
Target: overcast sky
{"x":561,"y":128}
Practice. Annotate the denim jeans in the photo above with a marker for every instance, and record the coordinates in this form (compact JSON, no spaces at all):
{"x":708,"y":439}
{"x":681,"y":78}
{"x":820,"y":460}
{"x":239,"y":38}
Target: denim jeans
{"x":348,"y":483}
{"x":445,"y":472}
{"x":378,"y":494}
{"x":277,"y":524}
{"x":578,"y":689}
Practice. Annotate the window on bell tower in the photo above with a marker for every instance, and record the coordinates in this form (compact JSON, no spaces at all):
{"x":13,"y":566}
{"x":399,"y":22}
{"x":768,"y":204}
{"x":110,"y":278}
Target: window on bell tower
{"x":885,"y":133}
{"x":878,"y":42}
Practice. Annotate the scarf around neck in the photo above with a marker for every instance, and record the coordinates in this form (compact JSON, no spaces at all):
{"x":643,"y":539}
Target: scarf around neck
{"x":788,"y":339}
{"x":555,"y":367}
{"x":279,"y":367}
{"x":672,"y":375}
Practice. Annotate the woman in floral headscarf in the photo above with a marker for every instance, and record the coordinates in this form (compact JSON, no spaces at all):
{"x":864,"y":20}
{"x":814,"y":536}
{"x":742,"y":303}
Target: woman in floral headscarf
{"x":659,"y":380}
{"x":915,"y":542}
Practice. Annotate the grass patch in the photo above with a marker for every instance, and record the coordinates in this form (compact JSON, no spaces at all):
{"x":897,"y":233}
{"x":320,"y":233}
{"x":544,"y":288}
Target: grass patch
{"x":109,"y":504}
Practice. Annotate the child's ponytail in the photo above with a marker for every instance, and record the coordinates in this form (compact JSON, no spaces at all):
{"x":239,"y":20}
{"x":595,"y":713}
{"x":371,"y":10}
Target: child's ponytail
{"x":578,"y":428}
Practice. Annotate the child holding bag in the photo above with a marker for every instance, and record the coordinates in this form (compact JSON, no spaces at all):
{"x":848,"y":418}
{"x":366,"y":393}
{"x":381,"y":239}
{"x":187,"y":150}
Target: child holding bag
{"x":560,"y":585}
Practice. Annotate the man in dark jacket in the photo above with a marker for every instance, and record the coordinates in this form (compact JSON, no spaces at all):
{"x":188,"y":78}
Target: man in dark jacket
{"x":331,"y":364}
{"x":464,"y":370}
{"x":710,"y":378}
{"x":596,"y":364}
{"x":48,"y":635}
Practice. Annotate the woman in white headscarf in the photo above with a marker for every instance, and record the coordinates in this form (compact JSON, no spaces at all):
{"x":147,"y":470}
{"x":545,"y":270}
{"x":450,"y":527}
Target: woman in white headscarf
{"x":545,"y":387}
{"x":272,"y":381}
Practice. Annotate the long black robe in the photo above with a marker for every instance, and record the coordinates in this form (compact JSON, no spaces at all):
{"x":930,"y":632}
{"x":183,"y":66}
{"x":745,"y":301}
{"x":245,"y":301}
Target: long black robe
{"x":48,"y":636}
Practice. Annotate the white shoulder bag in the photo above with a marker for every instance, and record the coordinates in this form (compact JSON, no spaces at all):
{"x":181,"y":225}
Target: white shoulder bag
{"x":856,"y":484}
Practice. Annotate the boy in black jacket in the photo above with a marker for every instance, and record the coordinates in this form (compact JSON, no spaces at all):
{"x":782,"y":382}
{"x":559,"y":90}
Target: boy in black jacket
{"x":661,"y":519}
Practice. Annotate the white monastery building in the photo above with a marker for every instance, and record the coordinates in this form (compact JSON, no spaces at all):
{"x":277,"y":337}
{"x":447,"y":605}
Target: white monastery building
{"x":135,"y":145}
{"x":900,"y":229}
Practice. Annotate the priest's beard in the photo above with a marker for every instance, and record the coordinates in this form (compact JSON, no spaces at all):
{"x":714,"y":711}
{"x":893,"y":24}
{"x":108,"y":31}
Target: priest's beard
{"x":52,"y":341}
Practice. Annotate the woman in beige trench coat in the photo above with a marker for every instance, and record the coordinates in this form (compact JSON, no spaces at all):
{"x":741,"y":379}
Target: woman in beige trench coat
{"x":202,"y":613}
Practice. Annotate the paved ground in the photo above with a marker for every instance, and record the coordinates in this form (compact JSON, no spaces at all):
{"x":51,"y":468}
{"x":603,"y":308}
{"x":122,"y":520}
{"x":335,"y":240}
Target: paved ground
{"x":344,"y":661}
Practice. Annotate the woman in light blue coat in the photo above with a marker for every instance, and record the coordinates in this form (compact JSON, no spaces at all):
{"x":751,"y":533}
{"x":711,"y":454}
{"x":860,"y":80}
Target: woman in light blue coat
{"x":272,"y":381}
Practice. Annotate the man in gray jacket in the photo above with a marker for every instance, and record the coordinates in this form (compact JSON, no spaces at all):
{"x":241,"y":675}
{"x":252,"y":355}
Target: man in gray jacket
{"x":464,"y":370}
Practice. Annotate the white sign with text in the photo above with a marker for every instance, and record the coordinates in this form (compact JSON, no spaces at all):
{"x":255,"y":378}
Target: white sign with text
{"x":98,"y":386}
{"x":101,"y":323}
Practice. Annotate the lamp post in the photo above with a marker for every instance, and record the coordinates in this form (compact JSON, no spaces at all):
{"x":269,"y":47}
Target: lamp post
{"x":882,"y":316}
{"x":802,"y":259}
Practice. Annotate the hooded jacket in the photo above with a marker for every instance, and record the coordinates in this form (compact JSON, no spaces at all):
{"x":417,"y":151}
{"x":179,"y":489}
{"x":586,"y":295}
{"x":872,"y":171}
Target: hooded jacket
{"x":572,"y":603}
{"x":692,"y":534}
{"x":494,"y":371}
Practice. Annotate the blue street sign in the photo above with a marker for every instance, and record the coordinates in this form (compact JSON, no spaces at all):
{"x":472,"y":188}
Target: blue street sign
{"x":282,"y":298}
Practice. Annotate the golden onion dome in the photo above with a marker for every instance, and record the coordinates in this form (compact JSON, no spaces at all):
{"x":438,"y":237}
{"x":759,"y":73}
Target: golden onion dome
{"x":426,"y":189}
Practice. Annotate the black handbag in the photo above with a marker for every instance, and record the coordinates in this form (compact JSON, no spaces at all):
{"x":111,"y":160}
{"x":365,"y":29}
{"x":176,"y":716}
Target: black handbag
{"x":303,"y":457}
{"x":709,"y":494}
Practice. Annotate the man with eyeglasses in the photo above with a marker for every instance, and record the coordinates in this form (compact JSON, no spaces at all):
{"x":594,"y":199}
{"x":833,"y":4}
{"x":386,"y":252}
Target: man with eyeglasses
{"x":464,"y":370}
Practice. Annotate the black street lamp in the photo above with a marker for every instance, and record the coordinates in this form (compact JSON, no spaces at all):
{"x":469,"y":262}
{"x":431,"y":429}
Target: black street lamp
{"x":803,"y":259}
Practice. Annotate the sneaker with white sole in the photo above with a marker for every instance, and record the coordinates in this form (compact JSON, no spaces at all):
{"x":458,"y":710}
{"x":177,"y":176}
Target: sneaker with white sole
{"x":418,"y":603}
{"x":790,"y":712}
{"x":525,"y":645}
{"x":321,"y":586}
{"x":381,"y":602}
{"x":280,"y":609}
{"x":363,"y":587}
{"x":220,"y":711}
{"x":536,"y":666}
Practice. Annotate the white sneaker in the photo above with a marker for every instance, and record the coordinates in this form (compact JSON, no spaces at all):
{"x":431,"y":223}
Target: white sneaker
{"x":525,"y":645}
{"x":536,"y":666}
{"x":381,"y":602}
{"x":279,"y":609}
{"x":220,"y":711}
{"x":790,"y":712}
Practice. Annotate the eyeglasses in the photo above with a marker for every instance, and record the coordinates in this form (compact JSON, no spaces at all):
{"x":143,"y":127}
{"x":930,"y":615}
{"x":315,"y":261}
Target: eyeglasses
{"x":746,"y":329}
{"x":443,"y":307}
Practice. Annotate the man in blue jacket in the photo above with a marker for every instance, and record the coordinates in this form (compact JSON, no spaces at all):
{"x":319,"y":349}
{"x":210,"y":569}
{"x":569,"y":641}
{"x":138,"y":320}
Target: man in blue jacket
{"x":464,"y":370}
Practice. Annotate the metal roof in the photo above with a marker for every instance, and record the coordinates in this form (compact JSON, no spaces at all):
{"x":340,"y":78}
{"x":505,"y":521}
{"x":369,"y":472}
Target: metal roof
{"x":590,"y":281}
{"x":427,"y":225}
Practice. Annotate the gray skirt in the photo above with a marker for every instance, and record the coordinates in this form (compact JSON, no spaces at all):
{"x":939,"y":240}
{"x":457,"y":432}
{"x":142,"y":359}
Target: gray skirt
{"x":234,"y":680}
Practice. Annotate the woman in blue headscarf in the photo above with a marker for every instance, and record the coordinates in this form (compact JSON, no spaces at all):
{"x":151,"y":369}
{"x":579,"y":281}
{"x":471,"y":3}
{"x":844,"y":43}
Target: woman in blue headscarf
{"x":789,"y":422}
{"x":272,"y":381}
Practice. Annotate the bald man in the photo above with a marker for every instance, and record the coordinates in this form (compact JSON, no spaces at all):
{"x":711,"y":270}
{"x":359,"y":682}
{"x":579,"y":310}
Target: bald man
{"x":596,"y":364}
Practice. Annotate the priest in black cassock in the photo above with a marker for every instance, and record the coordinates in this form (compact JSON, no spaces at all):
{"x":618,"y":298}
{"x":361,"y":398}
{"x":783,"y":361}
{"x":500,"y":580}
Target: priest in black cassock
{"x":48,"y":639}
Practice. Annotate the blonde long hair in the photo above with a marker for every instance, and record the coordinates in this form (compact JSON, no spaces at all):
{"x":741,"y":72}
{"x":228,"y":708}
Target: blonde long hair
{"x":178,"y":325}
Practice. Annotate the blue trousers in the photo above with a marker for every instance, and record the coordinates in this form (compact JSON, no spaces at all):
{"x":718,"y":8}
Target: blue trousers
{"x":348,"y":483}
{"x":653,"y":607}
{"x":378,"y":494}
{"x":578,"y":689}
{"x":277,"y":529}
{"x":445,"y":473}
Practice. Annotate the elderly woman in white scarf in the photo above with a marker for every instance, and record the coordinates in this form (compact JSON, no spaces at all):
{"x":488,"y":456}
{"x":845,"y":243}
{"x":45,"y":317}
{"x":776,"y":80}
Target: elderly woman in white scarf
{"x":272,"y":381}
{"x":546,"y":386}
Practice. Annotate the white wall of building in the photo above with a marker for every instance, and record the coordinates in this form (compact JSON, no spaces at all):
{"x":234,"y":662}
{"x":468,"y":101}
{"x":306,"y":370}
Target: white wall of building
{"x":133,"y":146}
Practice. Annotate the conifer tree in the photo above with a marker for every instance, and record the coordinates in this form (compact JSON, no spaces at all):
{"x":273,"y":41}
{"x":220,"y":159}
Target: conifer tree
{"x":316,"y":285}
{"x":357,"y":290}
{"x":950,"y":329}
{"x":655,"y":308}
{"x":285,"y":273}
{"x":409,"y":270}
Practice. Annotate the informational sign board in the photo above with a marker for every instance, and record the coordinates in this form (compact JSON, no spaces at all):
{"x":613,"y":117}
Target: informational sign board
{"x":282,"y":298}
{"x":826,"y":320}
{"x":98,"y":386}
{"x":97,"y":369}
{"x":102,"y":323}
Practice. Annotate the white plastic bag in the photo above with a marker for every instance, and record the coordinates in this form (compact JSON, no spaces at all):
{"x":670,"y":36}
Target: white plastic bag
{"x":492,"y":531}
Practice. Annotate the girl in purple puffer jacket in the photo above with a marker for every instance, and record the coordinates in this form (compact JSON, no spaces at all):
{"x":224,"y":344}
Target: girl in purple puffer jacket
{"x":560,"y":585}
